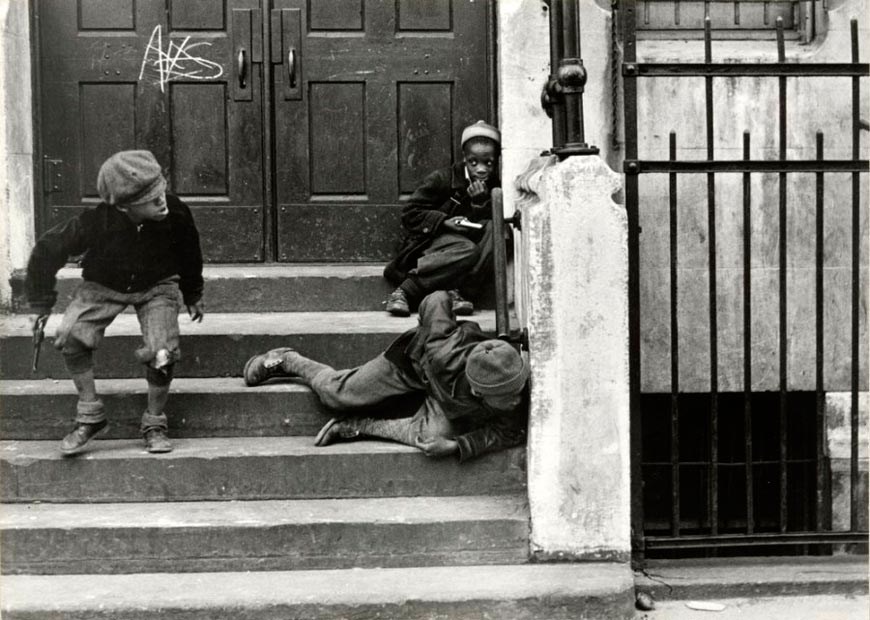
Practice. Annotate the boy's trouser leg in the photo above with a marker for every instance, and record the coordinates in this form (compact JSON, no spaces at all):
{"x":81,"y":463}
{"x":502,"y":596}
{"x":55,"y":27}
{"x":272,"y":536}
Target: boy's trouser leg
{"x":158,"y":317}
{"x":446,"y":262}
{"x":429,"y":422}
{"x":79,"y":334}
{"x":365,"y":385}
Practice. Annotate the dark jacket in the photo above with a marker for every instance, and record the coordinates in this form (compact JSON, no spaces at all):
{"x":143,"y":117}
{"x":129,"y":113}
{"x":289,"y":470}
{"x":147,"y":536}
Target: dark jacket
{"x":119,"y":254}
{"x":443,"y":194}
{"x":437,"y":352}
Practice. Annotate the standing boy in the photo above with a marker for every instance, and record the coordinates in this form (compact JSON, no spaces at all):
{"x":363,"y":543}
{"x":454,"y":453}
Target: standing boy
{"x":140,"y":247}
{"x":447,"y":224}
{"x":472,"y":387}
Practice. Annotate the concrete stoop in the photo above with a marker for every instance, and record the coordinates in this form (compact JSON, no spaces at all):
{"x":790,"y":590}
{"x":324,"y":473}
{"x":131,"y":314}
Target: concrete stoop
{"x":599,"y":591}
{"x":754,"y":577}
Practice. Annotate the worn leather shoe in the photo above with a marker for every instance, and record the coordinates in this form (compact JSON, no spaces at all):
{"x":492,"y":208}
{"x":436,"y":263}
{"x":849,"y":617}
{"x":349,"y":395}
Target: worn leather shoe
{"x":265,"y":366}
{"x":336,"y":430}
{"x":156,"y":441}
{"x":79,"y":437}
{"x":460,"y":305}
{"x":397,"y":303}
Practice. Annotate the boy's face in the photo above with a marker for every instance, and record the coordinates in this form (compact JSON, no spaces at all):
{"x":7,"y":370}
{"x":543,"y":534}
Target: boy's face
{"x":481,"y":159}
{"x":154,"y":210}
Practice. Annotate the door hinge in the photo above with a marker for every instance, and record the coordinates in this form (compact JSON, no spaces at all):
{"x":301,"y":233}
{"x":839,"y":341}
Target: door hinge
{"x":52,"y":175}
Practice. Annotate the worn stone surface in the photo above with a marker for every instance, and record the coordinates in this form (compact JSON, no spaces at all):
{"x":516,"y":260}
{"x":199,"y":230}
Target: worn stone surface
{"x":738,"y":577}
{"x":262,"y":535}
{"x":237,"y":468}
{"x":530,"y":592}
{"x":838,"y":418}
{"x":221,"y":344}
{"x":269,"y":288}
{"x":16,"y":143}
{"x":578,"y":348}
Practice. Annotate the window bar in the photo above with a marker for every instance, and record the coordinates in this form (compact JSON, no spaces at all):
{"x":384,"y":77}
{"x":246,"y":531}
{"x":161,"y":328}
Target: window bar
{"x":677,"y":13}
{"x":714,"y":353}
{"x":736,"y":13}
{"x":766,"y":6}
{"x":820,"y":337}
{"x":783,"y":288}
{"x":629,"y":92}
{"x":675,"y":365}
{"x":747,"y":337}
{"x":646,"y":12}
{"x":856,"y":239}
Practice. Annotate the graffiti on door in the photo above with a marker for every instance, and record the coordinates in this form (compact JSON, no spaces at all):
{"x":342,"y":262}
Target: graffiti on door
{"x":177,"y":62}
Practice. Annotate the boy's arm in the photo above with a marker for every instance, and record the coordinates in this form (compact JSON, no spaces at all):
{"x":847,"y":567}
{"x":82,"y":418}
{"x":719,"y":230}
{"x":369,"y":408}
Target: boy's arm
{"x":50,"y":254}
{"x":504,"y":431}
{"x":189,"y":255}
{"x":422,"y":215}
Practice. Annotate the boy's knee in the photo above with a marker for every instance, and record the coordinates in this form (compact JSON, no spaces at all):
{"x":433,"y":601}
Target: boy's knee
{"x":160,"y":377}
{"x":78,"y":361}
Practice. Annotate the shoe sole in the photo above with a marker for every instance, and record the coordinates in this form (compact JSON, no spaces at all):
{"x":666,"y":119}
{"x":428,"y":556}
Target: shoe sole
{"x":158,"y":450}
{"x":323,"y":431}
{"x":81,"y":448}
{"x":463,"y":311}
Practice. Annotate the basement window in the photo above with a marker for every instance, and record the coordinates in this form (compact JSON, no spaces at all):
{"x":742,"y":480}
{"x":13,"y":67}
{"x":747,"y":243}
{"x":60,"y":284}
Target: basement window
{"x":729,"y":19}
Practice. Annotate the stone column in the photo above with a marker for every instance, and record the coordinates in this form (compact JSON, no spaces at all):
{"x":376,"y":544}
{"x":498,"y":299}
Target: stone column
{"x":575,"y":248}
{"x":16,"y":143}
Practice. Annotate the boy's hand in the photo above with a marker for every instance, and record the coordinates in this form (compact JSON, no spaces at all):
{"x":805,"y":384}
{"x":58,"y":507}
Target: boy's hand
{"x":477,"y":191}
{"x":437,"y":446}
{"x":196,"y":312}
{"x":452,"y":224}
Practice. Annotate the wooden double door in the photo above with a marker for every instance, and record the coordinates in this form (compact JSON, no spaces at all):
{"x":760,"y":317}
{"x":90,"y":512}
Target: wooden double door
{"x":293,"y":128}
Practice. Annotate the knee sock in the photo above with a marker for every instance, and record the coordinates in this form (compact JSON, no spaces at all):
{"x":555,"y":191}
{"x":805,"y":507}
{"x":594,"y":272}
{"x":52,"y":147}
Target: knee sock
{"x":414,"y":291}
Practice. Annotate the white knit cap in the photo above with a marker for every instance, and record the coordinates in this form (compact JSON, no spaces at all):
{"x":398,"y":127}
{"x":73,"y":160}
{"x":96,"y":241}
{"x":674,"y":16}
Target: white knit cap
{"x":480,"y":129}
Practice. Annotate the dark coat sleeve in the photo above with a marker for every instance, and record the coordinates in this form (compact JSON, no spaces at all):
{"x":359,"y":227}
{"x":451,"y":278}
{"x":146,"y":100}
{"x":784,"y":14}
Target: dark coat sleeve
{"x":427,"y":207}
{"x":505,"y":430}
{"x":50,"y":253}
{"x":188,"y":253}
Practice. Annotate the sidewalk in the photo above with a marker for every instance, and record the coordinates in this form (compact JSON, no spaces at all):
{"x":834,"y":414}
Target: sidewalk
{"x":822,"y":607}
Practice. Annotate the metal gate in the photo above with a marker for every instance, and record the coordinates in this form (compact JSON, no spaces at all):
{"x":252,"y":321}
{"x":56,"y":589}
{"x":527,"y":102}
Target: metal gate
{"x":710,"y":533}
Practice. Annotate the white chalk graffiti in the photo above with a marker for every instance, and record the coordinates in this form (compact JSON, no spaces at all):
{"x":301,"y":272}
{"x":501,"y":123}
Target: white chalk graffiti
{"x":177,"y":62}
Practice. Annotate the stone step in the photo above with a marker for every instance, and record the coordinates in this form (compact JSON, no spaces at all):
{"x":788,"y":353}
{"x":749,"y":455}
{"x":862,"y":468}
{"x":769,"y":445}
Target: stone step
{"x":219,"y":407}
{"x":245,"y":469}
{"x":268,"y":288}
{"x":262,"y":535}
{"x":594,"y":590}
{"x":220,"y":345}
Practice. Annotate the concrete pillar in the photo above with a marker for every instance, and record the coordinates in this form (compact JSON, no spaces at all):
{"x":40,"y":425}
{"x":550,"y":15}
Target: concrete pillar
{"x":575,"y":248}
{"x":16,"y":143}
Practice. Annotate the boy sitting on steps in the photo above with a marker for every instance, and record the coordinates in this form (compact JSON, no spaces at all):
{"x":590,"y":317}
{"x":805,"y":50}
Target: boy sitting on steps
{"x":141,"y":246}
{"x":448,"y":231}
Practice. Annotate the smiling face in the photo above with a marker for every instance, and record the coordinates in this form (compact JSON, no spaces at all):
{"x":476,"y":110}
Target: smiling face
{"x":153,"y":210}
{"x":481,"y":158}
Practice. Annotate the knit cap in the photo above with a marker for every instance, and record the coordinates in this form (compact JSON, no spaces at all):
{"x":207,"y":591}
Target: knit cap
{"x":480,"y":129}
{"x":130,"y":177}
{"x":495,"y":368}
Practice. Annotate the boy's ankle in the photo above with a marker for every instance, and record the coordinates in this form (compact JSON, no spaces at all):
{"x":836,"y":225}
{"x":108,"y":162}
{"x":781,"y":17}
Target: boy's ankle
{"x":90,"y":412}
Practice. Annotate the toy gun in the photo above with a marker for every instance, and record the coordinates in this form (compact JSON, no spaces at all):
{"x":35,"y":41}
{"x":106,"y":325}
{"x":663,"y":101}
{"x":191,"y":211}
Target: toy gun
{"x":38,"y":337}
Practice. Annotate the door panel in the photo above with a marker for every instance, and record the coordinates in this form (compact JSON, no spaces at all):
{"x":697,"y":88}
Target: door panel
{"x":380,"y":94}
{"x":118,"y":74}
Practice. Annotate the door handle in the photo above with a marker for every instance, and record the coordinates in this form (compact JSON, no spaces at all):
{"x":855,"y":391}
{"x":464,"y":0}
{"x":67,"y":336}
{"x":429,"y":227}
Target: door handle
{"x":291,"y":67}
{"x":242,"y":68}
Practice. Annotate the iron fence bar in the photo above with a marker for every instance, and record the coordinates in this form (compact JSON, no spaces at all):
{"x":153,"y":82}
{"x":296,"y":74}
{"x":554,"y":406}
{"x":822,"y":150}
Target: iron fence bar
{"x":714,"y":336}
{"x":631,"y":205}
{"x":744,"y":540}
{"x":698,"y":166}
{"x":499,"y":261}
{"x":783,"y":293}
{"x":747,"y":338}
{"x":742,"y":69}
{"x":820,"y":337}
{"x":675,"y":360}
{"x":723,"y":464}
{"x":856,"y":239}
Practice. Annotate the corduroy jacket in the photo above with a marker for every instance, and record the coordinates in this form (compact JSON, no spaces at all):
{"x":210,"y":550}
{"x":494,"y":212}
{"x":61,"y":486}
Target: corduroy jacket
{"x":119,"y":254}
{"x":437,"y":352}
